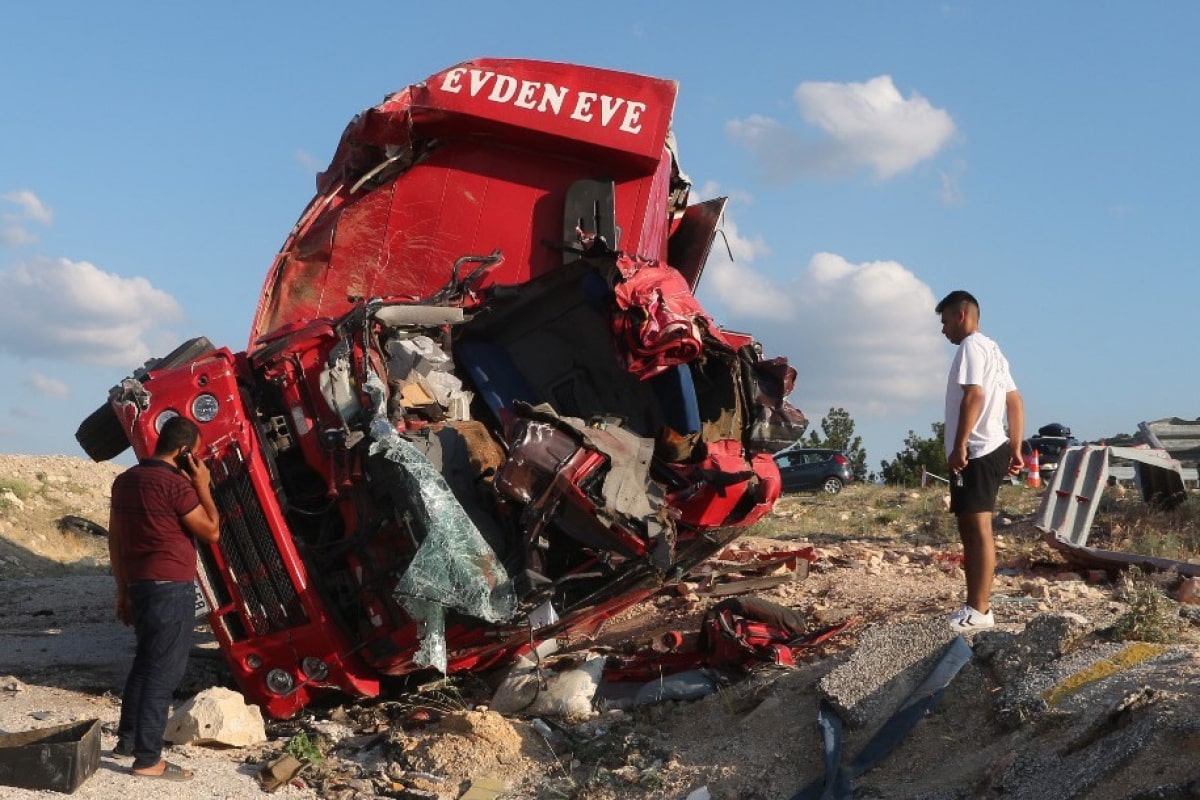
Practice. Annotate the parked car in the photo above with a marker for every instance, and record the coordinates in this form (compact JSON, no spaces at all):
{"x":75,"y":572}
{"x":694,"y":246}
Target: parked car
{"x":813,"y":469}
{"x":1050,"y":443}
{"x":480,"y":407}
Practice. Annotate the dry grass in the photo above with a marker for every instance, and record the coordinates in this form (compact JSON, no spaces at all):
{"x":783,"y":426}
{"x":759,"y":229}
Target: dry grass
{"x":1152,"y":616}
{"x":884,"y":514}
{"x":918,"y":517}
{"x":1129,"y":524}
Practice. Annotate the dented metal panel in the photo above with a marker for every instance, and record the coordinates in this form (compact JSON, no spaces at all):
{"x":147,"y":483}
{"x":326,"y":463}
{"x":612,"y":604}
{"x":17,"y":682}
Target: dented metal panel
{"x":438,"y":169}
{"x":1179,"y":437}
{"x":1069,"y":505}
{"x":1110,"y":560}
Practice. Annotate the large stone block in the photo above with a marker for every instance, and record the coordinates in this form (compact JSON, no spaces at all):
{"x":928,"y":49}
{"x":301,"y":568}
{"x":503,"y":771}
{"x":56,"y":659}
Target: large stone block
{"x":217,"y":716}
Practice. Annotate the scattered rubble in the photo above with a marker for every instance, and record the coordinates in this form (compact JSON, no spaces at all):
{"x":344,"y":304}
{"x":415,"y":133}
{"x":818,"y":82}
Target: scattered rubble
{"x":1049,"y":706}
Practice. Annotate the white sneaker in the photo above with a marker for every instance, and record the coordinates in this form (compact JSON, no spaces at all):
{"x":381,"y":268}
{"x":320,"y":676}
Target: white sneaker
{"x":968,"y":620}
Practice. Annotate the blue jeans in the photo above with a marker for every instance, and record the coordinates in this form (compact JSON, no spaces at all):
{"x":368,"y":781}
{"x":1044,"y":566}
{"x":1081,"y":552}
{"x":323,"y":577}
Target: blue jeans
{"x":164,"y":617}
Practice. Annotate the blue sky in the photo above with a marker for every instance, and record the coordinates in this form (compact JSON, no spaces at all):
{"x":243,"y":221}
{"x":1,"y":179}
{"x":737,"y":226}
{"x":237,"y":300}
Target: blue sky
{"x":878,"y":155}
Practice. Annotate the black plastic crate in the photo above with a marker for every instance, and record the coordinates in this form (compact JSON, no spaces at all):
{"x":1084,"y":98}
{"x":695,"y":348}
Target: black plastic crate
{"x":59,"y":758}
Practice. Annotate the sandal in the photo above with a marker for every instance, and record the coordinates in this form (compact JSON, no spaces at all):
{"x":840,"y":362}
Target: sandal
{"x":171,"y":772}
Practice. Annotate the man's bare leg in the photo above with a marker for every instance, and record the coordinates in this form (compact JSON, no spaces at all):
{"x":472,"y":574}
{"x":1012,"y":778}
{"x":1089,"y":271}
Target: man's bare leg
{"x":979,"y":558}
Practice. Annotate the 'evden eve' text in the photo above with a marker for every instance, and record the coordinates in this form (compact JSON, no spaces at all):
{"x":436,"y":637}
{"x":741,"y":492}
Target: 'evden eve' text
{"x":546,"y":98}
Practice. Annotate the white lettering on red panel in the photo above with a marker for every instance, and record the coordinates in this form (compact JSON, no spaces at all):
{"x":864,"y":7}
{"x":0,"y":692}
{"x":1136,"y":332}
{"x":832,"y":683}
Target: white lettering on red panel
{"x":546,"y":98}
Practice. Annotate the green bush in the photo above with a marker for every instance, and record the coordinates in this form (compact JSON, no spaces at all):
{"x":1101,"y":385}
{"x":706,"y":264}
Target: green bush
{"x":20,"y":489}
{"x":303,"y":749}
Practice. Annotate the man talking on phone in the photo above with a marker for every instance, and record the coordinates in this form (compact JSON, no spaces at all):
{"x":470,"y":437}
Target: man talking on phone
{"x":159,"y":508}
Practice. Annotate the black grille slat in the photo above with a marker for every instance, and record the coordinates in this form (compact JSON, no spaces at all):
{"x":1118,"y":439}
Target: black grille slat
{"x":271,"y":603}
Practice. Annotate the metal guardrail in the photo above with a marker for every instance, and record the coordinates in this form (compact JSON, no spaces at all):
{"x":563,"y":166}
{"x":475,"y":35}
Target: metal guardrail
{"x":1126,"y":473}
{"x":1069,"y":504}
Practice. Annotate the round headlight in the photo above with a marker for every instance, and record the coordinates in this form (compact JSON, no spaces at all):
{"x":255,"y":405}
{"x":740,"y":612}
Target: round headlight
{"x":162,"y":418}
{"x":314,"y":668}
{"x":280,"y":681}
{"x":205,"y":407}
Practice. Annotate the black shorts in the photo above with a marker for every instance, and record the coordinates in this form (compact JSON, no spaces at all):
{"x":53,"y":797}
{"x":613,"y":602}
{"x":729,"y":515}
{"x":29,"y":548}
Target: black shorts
{"x":980,"y":482}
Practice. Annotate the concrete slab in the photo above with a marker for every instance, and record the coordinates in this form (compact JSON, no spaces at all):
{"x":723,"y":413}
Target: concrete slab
{"x":889,"y":662}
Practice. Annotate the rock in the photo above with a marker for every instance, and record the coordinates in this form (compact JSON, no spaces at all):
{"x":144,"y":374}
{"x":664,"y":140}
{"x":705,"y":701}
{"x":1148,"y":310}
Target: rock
{"x":519,"y":687}
{"x":1189,"y":592}
{"x":334,"y":732}
{"x":8,"y":498}
{"x":568,"y":693}
{"x":217,"y":716}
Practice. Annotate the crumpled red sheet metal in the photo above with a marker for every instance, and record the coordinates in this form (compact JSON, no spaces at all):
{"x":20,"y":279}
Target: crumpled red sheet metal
{"x":727,"y":487}
{"x":658,"y":319}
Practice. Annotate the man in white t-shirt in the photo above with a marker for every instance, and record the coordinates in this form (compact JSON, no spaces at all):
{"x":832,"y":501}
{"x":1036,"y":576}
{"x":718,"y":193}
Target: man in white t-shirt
{"x":980,"y":395}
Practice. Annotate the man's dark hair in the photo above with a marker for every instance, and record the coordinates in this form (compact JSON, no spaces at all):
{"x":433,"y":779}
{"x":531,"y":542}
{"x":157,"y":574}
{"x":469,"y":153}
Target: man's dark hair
{"x":956,"y":299}
{"x":176,"y":433}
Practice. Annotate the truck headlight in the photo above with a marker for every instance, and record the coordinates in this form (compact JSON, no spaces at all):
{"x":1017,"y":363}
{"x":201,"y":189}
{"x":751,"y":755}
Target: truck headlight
{"x":314,"y":668}
{"x":162,"y":418}
{"x":205,"y":407}
{"x":280,"y":681}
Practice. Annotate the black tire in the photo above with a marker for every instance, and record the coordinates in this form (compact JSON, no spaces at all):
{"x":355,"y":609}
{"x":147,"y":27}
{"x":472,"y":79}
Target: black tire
{"x":101,"y":435}
{"x":187,"y":352}
{"x":81,"y":525}
{"x":831,"y":485}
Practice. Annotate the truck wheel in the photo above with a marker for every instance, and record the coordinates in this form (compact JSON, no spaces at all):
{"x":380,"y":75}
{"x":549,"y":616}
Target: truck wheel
{"x":101,"y":435}
{"x":187,"y":352}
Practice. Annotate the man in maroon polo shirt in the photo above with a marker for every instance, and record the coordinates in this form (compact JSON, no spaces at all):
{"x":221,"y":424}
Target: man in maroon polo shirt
{"x":159,"y":508}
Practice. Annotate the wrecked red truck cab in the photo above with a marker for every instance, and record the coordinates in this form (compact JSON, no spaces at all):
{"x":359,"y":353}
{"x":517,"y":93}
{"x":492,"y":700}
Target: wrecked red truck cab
{"x":481,"y":406}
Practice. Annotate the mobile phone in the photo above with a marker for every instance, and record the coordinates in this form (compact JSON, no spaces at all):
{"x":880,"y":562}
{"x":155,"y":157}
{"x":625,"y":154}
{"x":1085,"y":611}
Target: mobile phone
{"x":183,"y":460}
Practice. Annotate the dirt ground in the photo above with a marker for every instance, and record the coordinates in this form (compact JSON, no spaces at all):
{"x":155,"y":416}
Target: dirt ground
{"x":1049,"y":706}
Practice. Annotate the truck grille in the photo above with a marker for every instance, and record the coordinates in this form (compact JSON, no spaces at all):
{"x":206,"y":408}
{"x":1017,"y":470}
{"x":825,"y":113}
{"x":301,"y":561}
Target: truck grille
{"x":251,"y":556}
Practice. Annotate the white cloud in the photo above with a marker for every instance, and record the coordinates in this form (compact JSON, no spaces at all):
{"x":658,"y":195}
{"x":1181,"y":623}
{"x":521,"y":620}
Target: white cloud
{"x":308,"y":161}
{"x":951,"y":195}
{"x":951,"y":179}
{"x":711,"y":189}
{"x":15,"y":235}
{"x":862,"y":126}
{"x":31,"y":206}
{"x":737,"y":285}
{"x":14,"y":230}
{"x":74,"y":311}
{"x":50,"y":387}
{"x":861,"y":336}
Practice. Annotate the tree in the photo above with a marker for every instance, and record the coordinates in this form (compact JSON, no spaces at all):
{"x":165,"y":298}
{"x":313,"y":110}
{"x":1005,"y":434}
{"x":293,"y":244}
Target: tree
{"x":838,"y":428}
{"x":918,"y":452}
